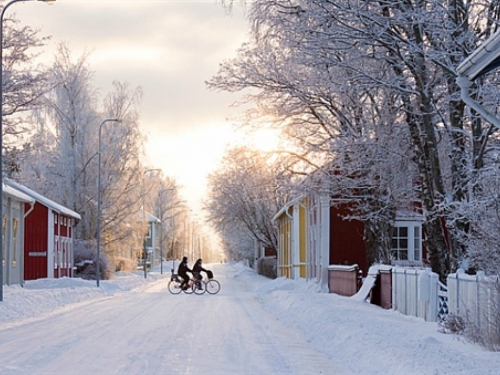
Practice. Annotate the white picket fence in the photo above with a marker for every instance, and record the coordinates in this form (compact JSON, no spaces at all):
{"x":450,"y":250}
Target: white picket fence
{"x":476,"y":298}
{"x":418,"y":292}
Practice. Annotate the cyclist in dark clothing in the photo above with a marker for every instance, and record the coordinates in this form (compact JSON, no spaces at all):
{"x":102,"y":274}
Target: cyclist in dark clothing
{"x":182,"y":272}
{"x":197,"y":268}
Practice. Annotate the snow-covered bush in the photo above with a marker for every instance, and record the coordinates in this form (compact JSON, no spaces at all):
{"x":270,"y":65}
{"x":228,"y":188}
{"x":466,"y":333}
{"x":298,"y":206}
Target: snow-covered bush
{"x":85,"y":255}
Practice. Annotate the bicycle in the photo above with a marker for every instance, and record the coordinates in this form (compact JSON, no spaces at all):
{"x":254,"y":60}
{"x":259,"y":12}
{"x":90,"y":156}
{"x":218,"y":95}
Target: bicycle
{"x":193,"y":285}
{"x":211,"y":286}
{"x":174,"y":285}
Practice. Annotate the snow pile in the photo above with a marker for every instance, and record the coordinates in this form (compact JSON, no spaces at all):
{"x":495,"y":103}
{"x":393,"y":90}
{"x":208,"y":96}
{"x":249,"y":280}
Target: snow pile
{"x":365,"y":336}
{"x":42,"y":296}
{"x":360,"y":337}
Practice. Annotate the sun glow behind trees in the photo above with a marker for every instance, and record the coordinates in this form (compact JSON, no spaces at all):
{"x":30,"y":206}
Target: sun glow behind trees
{"x":264,"y":140}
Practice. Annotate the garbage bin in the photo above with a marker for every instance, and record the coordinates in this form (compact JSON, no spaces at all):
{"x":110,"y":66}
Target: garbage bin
{"x":381,"y":293}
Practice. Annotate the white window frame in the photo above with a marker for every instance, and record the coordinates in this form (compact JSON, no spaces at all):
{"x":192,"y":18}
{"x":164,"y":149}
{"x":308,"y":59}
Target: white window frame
{"x":414,"y":238}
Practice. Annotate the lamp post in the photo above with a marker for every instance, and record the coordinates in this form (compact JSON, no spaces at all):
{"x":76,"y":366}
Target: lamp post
{"x":144,"y":221}
{"x":161,"y":228}
{"x":178,"y":204}
{"x":98,"y":260}
{"x":1,"y":131}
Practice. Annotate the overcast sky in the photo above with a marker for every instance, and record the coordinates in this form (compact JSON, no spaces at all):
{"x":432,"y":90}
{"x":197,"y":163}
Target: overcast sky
{"x":169,"y":48}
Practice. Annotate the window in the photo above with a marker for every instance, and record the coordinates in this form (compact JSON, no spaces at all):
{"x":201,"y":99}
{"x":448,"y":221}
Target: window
{"x":400,"y":243}
{"x":15,"y":225}
{"x":407,"y":241}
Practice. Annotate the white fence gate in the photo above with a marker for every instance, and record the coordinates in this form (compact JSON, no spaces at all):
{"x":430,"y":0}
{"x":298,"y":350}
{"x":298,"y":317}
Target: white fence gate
{"x":417,"y":292}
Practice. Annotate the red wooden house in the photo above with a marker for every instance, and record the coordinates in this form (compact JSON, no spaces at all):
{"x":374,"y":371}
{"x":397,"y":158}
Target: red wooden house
{"x":315,"y":233}
{"x":48,"y":237}
{"x":348,"y":247}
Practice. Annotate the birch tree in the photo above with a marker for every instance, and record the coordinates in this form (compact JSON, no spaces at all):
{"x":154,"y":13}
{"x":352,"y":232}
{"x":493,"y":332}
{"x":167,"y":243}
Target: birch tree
{"x":302,"y":82}
{"x":64,"y":165}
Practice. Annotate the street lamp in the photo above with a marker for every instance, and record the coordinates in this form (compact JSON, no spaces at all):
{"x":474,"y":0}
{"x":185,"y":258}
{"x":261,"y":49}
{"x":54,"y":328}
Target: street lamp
{"x":1,"y":129}
{"x":98,"y":261}
{"x":144,"y":220}
{"x":178,"y":204}
{"x":161,"y":227}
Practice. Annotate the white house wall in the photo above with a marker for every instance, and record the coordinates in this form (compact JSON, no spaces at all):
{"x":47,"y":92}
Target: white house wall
{"x":13,"y":247}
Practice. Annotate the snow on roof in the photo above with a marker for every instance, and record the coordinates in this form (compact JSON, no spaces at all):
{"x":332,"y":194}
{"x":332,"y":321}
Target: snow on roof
{"x":407,"y":215}
{"x":290,"y":203}
{"x":43,"y":200}
{"x":17,"y":194}
{"x":150,"y":218}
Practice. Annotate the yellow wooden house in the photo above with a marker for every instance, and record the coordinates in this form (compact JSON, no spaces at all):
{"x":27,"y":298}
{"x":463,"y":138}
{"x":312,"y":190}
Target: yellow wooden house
{"x":303,"y":239}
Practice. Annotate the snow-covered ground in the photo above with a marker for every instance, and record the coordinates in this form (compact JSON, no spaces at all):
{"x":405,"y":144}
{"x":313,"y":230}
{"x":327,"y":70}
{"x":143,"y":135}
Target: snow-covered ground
{"x":133,"y":325}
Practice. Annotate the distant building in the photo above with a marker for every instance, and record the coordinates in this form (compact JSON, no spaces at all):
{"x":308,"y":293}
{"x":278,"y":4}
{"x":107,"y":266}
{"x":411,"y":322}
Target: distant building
{"x":152,"y":240}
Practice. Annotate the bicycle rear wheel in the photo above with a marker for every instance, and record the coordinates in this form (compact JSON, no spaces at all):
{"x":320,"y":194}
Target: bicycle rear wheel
{"x":212,"y":286}
{"x":198,"y":287}
{"x":174,"y":286}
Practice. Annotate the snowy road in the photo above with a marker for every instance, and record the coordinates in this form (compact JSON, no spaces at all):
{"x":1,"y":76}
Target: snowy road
{"x":150,"y":331}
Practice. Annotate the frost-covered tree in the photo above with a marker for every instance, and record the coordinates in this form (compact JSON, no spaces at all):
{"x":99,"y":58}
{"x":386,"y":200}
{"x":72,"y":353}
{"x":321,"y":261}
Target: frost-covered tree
{"x":340,"y":76}
{"x":58,"y":166}
{"x":121,"y":169}
{"x":63,"y":165}
{"x":166,"y":204}
{"x":24,"y":84}
{"x":243,"y":196}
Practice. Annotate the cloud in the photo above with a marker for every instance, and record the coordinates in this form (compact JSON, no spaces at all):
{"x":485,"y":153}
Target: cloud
{"x":169,"y":48}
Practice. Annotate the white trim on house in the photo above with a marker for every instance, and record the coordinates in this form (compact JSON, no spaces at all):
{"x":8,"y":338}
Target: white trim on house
{"x":412,"y":221}
{"x":50,"y":244}
{"x":56,"y":207}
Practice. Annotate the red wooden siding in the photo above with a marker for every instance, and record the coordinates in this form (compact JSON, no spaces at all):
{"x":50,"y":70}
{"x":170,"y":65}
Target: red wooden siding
{"x":35,"y":242}
{"x":346,"y":240}
{"x":36,"y":248}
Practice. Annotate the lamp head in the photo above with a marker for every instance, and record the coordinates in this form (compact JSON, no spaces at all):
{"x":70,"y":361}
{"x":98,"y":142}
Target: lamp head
{"x":49,"y":2}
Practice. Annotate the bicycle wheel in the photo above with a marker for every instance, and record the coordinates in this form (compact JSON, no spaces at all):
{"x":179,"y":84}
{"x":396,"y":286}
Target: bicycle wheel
{"x":174,"y":286}
{"x":212,"y":286}
{"x":198,"y":287}
{"x":189,"y":289}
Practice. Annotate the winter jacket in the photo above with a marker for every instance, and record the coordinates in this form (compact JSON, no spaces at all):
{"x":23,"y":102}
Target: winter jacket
{"x":198,"y":268}
{"x":183,"y":268}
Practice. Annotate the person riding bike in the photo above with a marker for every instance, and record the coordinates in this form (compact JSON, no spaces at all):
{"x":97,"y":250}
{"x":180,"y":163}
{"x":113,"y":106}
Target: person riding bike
{"x":197,"y":268}
{"x":182,"y":272}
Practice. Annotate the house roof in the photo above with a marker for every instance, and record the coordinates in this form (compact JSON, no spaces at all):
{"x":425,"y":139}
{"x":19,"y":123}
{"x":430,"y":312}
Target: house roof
{"x":291,"y":203}
{"x":152,"y":219}
{"x":17,"y":194}
{"x":43,"y":200}
{"x":408,"y":215}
